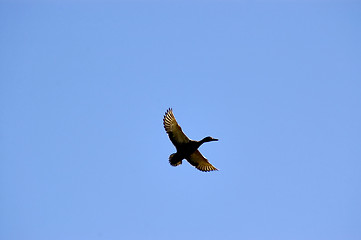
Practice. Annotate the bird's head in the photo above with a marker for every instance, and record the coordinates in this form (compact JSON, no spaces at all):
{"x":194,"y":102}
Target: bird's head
{"x":209,"y":139}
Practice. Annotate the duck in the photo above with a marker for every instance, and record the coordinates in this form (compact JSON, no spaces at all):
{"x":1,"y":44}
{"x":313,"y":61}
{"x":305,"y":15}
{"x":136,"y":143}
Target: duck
{"x":186,"y":148}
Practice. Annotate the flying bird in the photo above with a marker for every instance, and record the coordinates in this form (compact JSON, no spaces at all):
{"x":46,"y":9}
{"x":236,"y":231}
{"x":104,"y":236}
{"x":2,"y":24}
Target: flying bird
{"x":186,"y":148}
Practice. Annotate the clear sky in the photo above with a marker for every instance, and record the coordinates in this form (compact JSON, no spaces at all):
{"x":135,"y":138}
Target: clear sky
{"x":83,"y":90}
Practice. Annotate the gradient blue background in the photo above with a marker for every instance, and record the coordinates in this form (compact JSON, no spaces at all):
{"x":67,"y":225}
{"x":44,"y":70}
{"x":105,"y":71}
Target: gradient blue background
{"x":84,"y":87}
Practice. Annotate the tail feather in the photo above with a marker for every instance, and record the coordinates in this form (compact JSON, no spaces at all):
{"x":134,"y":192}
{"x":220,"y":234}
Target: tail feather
{"x":174,"y":160}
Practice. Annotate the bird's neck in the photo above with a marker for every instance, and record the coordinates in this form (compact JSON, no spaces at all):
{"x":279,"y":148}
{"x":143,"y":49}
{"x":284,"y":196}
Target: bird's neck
{"x":202,"y":141}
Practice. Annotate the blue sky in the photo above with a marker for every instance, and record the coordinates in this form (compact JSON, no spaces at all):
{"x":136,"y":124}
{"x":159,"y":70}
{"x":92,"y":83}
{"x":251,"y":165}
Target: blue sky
{"x":84,"y":87}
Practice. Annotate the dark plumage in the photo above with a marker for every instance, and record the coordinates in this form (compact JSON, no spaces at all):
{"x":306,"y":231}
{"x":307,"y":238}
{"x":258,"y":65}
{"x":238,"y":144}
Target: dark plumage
{"x":186,"y":148}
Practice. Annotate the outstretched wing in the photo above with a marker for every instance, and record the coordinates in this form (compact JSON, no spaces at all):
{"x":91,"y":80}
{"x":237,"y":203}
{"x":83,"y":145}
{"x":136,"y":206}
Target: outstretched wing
{"x":200,"y":162}
{"x":174,"y":131}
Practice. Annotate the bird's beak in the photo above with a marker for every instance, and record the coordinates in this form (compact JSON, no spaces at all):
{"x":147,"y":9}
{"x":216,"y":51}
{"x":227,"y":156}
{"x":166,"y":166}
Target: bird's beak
{"x":214,"y":139}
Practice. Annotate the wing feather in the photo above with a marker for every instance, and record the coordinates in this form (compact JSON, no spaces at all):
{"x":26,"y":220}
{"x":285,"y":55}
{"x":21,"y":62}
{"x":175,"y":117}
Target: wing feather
{"x":200,"y":162}
{"x":174,"y":131}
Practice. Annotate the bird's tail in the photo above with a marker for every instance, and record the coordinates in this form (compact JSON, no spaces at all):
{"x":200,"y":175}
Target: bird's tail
{"x":174,"y":160}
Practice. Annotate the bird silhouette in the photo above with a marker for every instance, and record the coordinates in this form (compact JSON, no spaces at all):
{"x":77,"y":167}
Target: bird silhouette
{"x":186,"y":148}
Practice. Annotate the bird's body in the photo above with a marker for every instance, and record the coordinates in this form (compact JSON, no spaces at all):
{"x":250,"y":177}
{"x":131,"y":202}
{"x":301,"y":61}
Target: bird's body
{"x":186,"y":148}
